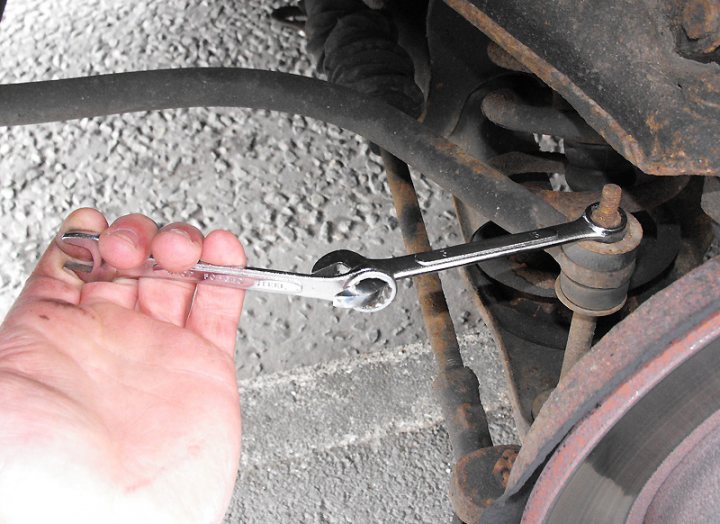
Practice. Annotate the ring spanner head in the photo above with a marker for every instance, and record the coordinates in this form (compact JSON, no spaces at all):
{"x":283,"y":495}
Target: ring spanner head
{"x":368,"y":291}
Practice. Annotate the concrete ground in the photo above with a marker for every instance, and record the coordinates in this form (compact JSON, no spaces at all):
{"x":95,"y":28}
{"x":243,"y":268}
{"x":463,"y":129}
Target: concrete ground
{"x":339,"y":421}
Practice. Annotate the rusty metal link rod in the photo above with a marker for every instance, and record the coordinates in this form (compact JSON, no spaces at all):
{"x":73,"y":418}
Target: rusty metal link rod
{"x":438,"y":324}
{"x":582,"y":326}
{"x":579,"y":342}
{"x":456,"y":385}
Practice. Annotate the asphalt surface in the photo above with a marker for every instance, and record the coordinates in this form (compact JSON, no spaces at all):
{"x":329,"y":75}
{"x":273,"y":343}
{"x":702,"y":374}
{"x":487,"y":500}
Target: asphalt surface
{"x":340,"y":425}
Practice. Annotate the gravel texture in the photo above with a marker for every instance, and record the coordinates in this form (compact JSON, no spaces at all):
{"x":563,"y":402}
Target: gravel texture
{"x":365,"y":444}
{"x":319,"y":445}
{"x":291,"y":187}
{"x":340,"y":423}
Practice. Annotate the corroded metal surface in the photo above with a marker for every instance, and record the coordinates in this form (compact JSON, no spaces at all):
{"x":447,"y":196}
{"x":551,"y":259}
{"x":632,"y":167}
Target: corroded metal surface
{"x":607,"y":214}
{"x":648,"y":195}
{"x":645,"y":336}
{"x":436,"y":316}
{"x":478,"y":479}
{"x":505,"y":109}
{"x":670,"y":132}
{"x":456,"y":385}
{"x":580,"y":337}
{"x":608,"y":458}
{"x":530,"y":336}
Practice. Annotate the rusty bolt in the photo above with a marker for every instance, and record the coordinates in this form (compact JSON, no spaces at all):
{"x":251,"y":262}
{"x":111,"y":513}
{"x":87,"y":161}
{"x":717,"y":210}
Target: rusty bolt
{"x":607,"y":214}
{"x":501,"y":470}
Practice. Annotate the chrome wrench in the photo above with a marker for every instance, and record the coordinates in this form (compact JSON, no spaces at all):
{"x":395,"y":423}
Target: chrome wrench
{"x":348,"y":279}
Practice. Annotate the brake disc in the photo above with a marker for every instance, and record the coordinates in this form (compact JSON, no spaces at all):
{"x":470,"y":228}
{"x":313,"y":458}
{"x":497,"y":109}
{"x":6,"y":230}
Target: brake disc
{"x":633,"y":433}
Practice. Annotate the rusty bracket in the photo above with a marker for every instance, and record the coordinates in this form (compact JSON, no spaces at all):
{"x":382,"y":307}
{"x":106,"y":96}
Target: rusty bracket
{"x":654,"y":102}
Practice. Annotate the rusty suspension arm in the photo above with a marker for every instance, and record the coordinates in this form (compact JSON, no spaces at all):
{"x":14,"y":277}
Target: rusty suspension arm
{"x":455,"y":385}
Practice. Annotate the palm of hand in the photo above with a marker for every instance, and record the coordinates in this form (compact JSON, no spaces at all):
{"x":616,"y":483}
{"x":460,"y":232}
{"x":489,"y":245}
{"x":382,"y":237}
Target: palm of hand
{"x":120,"y":396}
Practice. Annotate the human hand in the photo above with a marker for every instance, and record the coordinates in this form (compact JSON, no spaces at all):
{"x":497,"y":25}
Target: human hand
{"x":118,"y":400}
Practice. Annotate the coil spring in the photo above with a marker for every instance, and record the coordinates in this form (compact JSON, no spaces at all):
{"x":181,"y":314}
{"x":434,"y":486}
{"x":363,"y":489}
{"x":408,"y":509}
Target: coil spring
{"x":356,"y":46}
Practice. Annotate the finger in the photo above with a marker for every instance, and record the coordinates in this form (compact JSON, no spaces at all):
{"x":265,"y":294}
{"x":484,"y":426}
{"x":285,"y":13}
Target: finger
{"x":215,"y":311}
{"x":127,"y":242}
{"x":123,"y":292}
{"x":123,"y":245}
{"x":175,"y":248}
{"x":50,"y":280}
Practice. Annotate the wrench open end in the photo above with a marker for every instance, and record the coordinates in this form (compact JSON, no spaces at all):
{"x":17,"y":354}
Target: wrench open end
{"x":88,"y":243}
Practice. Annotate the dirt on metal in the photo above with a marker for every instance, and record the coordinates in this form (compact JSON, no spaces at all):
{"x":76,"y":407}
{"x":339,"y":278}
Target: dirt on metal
{"x":614,"y":359}
{"x":669,"y":133}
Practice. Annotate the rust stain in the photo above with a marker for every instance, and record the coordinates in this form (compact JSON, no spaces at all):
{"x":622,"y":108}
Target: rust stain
{"x":609,"y":129}
{"x":656,"y":160}
{"x":634,"y":199}
{"x":502,"y":467}
{"x":701,"y":18}
{"x":436,"y":316}
{"x":479,"y":478}
{"x":625,"y":345}
{"x":653,"y":124}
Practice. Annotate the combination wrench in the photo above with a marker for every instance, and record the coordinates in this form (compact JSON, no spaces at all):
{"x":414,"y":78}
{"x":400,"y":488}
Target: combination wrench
{"x":348,"y":279}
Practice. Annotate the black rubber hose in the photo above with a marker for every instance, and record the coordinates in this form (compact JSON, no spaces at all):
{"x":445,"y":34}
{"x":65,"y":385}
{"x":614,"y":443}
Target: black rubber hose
{"x":497,"y":197}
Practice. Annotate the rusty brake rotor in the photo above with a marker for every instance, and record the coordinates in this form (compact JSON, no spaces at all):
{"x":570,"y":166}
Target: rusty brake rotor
{"x":630,"y":435}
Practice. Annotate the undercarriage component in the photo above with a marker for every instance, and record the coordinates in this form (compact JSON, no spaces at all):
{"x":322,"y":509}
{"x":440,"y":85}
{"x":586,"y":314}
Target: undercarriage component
{"x":594,"y":280}
{"x":479,"y":478}
{"x":456,"y":386}
{"x":658,"y":108}
{"x":615,"y":91}
{"x":439,"y":159}
{"x":595,"y":277}
{"x":630,"y":432}
{"x":518,"y":294}
{"x":356,"y":47}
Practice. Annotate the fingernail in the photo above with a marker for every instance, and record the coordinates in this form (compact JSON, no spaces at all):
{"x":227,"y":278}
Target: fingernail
{"x":182,"y":233}
{"x":128,"y":235}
